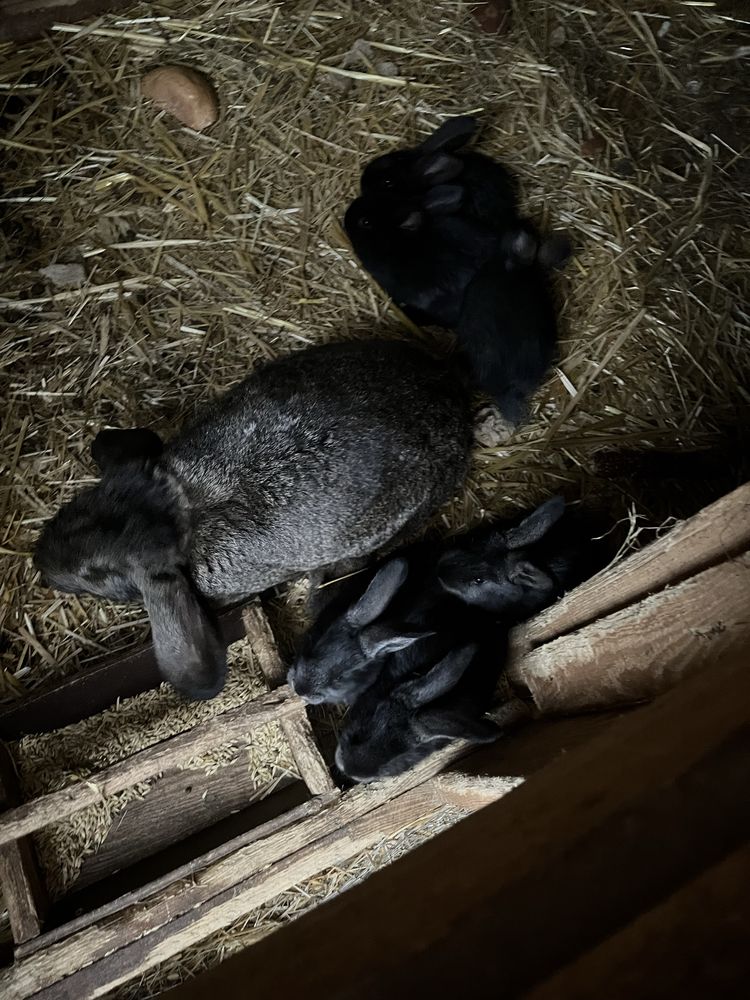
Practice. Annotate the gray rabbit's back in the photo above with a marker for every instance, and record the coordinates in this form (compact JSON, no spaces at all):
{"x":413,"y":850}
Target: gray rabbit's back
{"x":316,"y":458}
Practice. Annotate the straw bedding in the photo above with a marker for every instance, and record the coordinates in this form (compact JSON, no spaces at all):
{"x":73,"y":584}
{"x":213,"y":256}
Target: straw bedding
{"x":193,"y":256}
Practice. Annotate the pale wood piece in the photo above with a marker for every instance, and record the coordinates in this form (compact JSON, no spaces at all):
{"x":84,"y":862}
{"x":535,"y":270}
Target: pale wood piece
{"x":642,"y":650}
{"x":22,"y":885}
{"x":298,"y":731}
{"x":232,"y":725}
{"x":718,"y":532}
{"x":472,"y":792}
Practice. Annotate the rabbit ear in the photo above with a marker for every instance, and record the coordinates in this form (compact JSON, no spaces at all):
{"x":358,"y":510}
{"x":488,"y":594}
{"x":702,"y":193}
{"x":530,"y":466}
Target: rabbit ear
{"x":443,"y":198}
{"x":536,"y":525}
{"x":111,"y":448}
{"x":188,"y":650}
{"x":411,"y":222}
{"x":527,"y":574}
{"x":434,"y":725}
{"x":442,"y":678}
{"x":377,"y":640}
{"x":452,"y":134}
{"x":380,"y":592}
{"x":436,"y":168}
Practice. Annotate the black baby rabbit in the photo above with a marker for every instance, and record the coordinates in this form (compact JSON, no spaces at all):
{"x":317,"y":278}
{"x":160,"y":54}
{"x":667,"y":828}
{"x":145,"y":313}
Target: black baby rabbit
{"x":400,"y":720}
{"x":315,"y":458}
{"x":516,"y":571}
{"x":343,"y":650}
{"x":423,"y":253}
{"x":489,"y":194}
{"x":508,"y":323}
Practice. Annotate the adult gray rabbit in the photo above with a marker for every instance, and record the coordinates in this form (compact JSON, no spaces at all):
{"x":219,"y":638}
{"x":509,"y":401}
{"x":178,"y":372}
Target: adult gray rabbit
{"x":316,"y":458}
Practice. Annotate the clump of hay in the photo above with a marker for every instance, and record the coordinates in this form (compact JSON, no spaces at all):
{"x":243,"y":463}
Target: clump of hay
{"x":205,"y":253}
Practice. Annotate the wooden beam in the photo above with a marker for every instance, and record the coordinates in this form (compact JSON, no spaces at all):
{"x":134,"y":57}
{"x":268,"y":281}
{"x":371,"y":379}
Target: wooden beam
{"x":642,"y":650}
{"x":528,"y":884}
{"x":717,"y":533}
{"x":185,"y":873}
{"x":232,"y":725}
{"x":694,"y":944}
{"x":297,"y":731}
{"x":20,"y":878}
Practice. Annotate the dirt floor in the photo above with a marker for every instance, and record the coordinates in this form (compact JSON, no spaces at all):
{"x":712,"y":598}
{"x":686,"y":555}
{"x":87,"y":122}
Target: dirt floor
{"x":193,"y":256}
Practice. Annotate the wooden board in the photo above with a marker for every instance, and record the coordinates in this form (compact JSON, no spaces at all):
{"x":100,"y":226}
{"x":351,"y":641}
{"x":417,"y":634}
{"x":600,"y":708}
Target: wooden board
{"x":22,"y":886}
{"x":172,"y":752}
{"x":642,"y":650}
{"x":717,"y":533}
{"x":694,"y":944}
{"x":528,"y":884}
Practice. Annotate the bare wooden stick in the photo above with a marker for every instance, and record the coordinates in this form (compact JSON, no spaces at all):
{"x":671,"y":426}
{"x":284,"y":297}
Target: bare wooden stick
{"x":718,"y":532}
{"x":233,"y":725}
{"x":298,"y":731}
{"x":23,"y":889}
{"x":644,"y":649}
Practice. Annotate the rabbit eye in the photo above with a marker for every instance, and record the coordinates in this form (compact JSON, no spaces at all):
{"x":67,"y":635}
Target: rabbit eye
{"x":387,"y":182}
{"x":365,"y":222}
{"x":478,"y":580}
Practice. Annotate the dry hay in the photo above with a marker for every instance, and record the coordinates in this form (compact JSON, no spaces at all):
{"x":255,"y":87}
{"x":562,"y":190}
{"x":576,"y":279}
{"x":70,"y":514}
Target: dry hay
{"x":626,"y":124}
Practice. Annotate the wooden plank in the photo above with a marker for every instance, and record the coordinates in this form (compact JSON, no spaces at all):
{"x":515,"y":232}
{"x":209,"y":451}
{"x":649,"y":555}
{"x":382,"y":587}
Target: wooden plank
{"x":694,"y":944}
{"x":298,"y":731}
{"x":642,"y":650}
{"x":470,"y":792}
{"x":232,"y":725}
{"x":185,"y":872}
{"x":224,"y":908}
{"x":20,"y":877}
{"x":526,"y":885}
{"x":188,"y":891}
{"x":179,"y":805}
{"x":96,"y":687}
{"x":717,"y":533}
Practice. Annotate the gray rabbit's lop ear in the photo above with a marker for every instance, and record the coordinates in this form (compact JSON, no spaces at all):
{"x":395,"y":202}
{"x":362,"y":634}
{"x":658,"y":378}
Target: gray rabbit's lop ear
{"x":188,"y":650}
{"x":440,"y":680}
{"x":379,"y":594}
{"x":111,"y":448}
{"x":452,"y":134}
{"x":534,"y":527}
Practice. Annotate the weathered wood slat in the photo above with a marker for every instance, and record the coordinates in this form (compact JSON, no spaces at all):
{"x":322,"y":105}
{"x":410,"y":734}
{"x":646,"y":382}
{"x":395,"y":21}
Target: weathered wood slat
{"x":22,"y":885}
{"x":298,"y":731}
{"x":225,"y":907}
{"x":644,"y":649}
{"x":232,"y":725}
{"x":718,"y":532}
{"x":184,"y":873}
